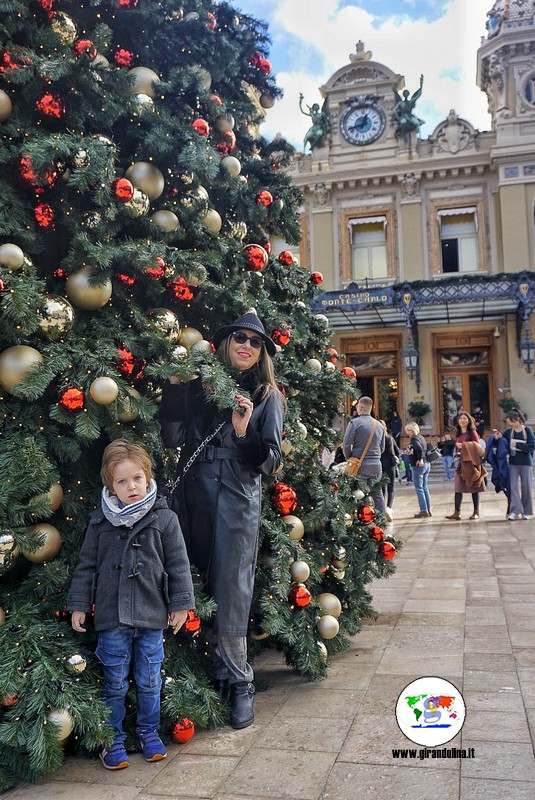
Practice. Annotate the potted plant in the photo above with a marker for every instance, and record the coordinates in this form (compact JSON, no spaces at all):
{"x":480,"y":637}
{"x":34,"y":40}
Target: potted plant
{"x":417,"y":410}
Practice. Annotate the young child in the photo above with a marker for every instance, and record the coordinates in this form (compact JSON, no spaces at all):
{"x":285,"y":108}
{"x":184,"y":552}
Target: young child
{"x":134,"y":568}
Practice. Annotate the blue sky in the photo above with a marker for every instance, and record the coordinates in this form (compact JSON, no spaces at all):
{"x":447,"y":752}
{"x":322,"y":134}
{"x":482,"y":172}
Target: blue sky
{"x":311,"y":39}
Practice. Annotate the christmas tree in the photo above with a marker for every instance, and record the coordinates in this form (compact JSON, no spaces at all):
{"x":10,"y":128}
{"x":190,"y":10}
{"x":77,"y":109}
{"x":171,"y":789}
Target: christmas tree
{"x":140,"y":210}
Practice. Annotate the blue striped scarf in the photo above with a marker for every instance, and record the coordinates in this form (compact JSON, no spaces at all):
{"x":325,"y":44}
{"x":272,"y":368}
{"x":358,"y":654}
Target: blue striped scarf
{"x":118,"y":514}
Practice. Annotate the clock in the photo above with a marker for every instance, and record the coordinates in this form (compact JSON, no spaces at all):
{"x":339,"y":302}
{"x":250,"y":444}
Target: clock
{"x":362,"y":121}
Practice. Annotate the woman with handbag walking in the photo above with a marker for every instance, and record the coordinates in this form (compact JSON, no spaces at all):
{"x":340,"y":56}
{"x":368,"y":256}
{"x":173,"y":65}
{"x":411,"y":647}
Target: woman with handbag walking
{"x":218,"y":498}
{"x":469,"y":470}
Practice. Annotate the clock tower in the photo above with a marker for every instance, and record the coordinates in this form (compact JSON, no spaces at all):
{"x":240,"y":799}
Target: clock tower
{"x":360,"y":98}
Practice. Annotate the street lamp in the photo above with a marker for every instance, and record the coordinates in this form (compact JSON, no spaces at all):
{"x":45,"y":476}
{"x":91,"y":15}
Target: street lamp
{"x":411,"y":356}
{"x":527,"y":350}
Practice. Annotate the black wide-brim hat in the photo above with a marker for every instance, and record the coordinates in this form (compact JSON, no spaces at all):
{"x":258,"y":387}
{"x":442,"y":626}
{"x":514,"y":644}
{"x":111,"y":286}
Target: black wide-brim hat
{"x":250,"y":322}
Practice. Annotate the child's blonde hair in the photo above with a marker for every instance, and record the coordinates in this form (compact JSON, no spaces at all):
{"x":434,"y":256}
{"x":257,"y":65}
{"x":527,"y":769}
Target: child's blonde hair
{"x":121,"y":450}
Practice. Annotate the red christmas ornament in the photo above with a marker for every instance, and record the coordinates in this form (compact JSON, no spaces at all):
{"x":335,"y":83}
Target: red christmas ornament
{"x":349,"y":372}
{"x":299,"y":596}
{"x":193,"y":622}
{"x":286,"y":258}
{"x":366,"y":514}
{"x":13,"y":59}
{"x":264,"y":197}
{"x":335,"y":487}
{"x":122,"y":189}
{"x":9,"y":700}
{"x":201,"y":126}
{"x":216,"y":99}
{"x":2,"y":285}
{"x":267,"y":246}
{"x":333,"y":355}
{"x":130,"y":365}
{"x":127,"y":3}
{"x":211,"y":21}
{"x":283,"y":498}
{"x":180,"y":289}
{"x":46,"y":5}
{"x":28,"y":174}
{"x":264,"y":65}
{"x":230,"y":138}
{"x":85,"y":46}
{"x":281,"y":336}
{"x":256,"y":257}
{"x":157,"y":271}
{"x":376,"y":533}
{"x":123,"y":58}
{"x":50,"y":105}
{"x":387,"y":550}
{"x":45,"y":216}
{"x":59,"y":273}
{"x":72,"y":399}
{"x":182,"y":731}
{"x":128,"y":280}
{"x":317,"y":278}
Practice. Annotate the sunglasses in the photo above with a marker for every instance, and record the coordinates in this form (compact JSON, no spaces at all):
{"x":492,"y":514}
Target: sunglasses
{"x":241,"y":338}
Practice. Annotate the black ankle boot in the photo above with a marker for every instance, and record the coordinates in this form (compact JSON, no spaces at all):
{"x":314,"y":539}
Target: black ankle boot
{"x":222,"y":687}
{"x":241,"y":704}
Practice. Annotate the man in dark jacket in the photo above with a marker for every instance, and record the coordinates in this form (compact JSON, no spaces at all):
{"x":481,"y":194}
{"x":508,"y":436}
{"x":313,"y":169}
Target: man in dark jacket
{"x":134,"y":569}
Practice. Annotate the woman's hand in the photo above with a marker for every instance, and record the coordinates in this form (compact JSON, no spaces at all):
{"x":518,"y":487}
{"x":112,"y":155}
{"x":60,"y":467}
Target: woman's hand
{"x":174,"y":379}
{"x":240,"y":419}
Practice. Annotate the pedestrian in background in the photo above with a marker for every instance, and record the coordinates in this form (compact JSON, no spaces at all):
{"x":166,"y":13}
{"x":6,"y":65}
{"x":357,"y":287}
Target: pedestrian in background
{"x":365,"y":435}
{"x":446,"y":445}
{"x":390,"y":462}
{"x":420,"y":468}
{"x":470,"y":473}
{"x":521,"y":446}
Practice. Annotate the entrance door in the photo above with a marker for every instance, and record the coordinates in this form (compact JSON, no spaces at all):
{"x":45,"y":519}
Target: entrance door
{"x":464,"y":390}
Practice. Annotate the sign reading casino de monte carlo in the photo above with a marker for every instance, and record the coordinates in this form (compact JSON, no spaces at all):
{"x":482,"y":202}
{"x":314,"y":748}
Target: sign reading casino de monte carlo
{"x":354,"y":298}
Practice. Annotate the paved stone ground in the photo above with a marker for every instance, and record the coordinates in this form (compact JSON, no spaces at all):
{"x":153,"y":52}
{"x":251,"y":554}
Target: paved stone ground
{"x":460,"y":606}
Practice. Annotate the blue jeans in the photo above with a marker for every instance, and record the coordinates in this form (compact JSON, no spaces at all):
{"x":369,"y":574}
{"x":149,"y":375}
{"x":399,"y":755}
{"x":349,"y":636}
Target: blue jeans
{"x":116,"y":650}
{"x":446,"y":463}
{"x":420,"y":476}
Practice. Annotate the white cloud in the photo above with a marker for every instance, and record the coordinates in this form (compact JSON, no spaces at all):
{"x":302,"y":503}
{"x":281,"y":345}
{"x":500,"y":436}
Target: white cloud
{"x":445,"y":51}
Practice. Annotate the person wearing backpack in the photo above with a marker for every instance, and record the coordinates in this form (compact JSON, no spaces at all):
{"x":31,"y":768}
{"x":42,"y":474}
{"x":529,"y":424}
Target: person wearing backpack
{"x":420,"y":467}
{"x":521,"y":446}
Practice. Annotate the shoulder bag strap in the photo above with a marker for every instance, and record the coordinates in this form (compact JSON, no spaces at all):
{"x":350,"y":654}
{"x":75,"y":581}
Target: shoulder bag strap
{"x":170,"y":487}
{"x":370,"y":437}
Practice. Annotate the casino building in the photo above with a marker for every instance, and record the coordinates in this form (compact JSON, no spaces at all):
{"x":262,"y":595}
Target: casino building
{"x":427,"y":246}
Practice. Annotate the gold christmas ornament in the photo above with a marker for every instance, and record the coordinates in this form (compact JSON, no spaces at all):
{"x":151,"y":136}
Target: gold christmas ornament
{"x":55,"y":496}
{"x":323,"y":651}
{"x":137,"y":206}
{"x":166,"y":321}
{"x":11,"y":256}
{"x":104,"y":390}
{"x":300,"y":571}
{"x":238,"y":230}
{"x":142,"y":103}
{"x":63,"y":720}
{"x":129,"y":413}
{"x":179,"y":353}
{"x":6,"y":106}
{"x":329,"y":367}
{"x":225,"y":122}
{"x":286,"y":447}
{"x":189,"y":337}
{"x":202,"y":346}
{"x":65,"y":28}
{"x":339,"y":574}
{"x":15,"y":363}
{"x":212,"y":220}
{"x":330,"y":604}
{"x":8,"y":551}
{"x":297,"y":529}
{"x":313,"y":364}
{"x":303,"y":432}
{"x":322,"y":318}
{"x":100,"y":62}
{"x":328,"y":626}
{"x":86,"y":295}
{"x":232,"y":165}
{"x":144,"y":81}
{"x":50,"y":543}
{"x":258,"y":634}
{"x":167,"y":221}
{"x":266,"y":100}
{"x":2,"y":616}
{"x":76,"y":664}
{"x":195,"y":280}
{"x":56,"y":316}
{"x":202,"y":75}
{"x":147,"y":177}
{"x":80,"y":159}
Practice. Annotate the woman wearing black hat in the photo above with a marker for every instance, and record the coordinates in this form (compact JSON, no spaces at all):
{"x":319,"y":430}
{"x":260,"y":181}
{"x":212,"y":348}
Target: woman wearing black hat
{"x":218,"y":500}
